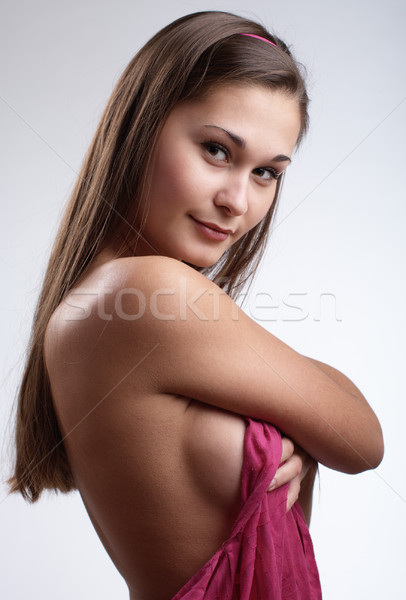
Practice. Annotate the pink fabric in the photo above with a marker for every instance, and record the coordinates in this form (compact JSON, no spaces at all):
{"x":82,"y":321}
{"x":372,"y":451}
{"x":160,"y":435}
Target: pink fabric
{"x":269,"y":554}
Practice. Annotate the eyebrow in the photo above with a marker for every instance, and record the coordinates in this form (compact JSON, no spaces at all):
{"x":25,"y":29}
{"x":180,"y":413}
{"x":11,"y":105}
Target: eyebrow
{"x":241,"y":143}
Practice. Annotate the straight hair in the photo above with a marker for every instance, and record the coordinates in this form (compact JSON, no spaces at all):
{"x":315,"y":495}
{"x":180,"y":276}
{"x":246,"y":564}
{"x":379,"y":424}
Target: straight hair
{"x":184,"y":61}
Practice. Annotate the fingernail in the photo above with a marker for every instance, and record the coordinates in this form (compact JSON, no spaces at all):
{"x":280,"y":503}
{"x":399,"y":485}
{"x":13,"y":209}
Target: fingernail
{"x":273,"y":485}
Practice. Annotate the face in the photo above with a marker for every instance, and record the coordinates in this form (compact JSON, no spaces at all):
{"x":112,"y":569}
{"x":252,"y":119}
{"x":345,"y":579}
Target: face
{"x":215,"y":170}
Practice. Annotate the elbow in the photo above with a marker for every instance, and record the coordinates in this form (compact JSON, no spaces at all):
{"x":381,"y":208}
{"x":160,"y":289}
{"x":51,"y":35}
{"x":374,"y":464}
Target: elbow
{"x":379,"y":449}
{"x":371,"y":455}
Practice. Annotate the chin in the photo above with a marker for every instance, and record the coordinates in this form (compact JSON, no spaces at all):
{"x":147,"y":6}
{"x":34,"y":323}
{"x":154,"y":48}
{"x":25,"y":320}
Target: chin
{"x":201,"y":262}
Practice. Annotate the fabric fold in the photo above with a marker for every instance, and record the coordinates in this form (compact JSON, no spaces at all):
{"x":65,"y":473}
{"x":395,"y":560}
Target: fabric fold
{"x":269,"y":554}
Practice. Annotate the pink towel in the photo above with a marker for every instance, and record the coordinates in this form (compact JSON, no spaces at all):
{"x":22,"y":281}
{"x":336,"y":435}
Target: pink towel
{"x":269,"y":554}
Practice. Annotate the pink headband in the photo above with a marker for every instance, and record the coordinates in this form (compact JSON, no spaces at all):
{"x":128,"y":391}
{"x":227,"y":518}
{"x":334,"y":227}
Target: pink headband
{"x":258,"y":37}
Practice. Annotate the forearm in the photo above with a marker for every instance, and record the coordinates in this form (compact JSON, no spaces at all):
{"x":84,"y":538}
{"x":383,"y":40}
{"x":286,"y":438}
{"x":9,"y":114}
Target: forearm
{"x":370,"y":431}
{"x":306,"y":492}
{"x":338,"y":378}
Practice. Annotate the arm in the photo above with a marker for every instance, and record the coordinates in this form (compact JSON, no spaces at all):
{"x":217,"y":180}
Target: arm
{"x":208,"y":349}
{"x":338,"y":377}
{"x":306,"y":492}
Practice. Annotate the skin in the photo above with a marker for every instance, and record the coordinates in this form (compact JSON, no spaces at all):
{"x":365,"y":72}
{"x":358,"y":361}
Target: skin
{"x":200,"y":172}
{"x":154,"y":423}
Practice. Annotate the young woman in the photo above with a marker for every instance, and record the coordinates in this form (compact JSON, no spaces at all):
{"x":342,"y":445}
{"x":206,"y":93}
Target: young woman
{"x":146,"y":388}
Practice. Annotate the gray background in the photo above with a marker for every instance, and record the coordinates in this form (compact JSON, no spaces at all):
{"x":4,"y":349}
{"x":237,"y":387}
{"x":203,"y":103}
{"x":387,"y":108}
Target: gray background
{"x":332,"y":284}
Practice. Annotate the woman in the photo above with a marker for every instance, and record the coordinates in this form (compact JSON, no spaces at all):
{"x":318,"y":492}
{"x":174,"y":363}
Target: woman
{"x":146,"y":388}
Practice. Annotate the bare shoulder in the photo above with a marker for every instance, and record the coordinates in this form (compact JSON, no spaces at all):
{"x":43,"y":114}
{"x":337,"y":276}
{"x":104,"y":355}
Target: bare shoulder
{"x":131,"y":304}
{"x":116,"y":293}
{"x":128,"y":320}
{"x":133,"y":290}
{"x":165,"y":289}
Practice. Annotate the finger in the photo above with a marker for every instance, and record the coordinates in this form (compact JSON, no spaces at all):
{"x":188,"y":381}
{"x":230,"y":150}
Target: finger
{"x":293,"y":493}
{"x":289,"y":470}
{"x":288,"y":447}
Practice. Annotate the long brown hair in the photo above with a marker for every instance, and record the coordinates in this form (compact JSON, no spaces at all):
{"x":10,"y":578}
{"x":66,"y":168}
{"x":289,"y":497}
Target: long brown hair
{"x":181,"y":62}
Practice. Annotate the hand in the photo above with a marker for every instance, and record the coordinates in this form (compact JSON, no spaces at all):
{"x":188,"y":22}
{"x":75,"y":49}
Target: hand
{"x":294,"y":466}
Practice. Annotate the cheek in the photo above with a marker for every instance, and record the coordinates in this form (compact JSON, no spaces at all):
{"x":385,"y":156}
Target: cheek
{"x":175,"y":177}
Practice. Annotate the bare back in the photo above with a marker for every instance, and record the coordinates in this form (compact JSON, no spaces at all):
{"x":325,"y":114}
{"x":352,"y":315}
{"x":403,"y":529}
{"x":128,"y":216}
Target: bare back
{"x":159,"y":473}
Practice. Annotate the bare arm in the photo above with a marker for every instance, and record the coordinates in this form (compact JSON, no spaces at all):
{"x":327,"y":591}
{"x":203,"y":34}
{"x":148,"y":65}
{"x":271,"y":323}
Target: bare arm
{"x":306,"y":492}
{"x":338,"y":377}
{"x":205,"y":348}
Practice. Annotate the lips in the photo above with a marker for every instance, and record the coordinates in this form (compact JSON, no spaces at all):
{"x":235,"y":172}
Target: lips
{"x":214,"y":226}
{"x":211,"y":231}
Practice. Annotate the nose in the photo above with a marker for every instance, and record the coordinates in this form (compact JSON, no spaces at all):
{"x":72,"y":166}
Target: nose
{"x":233,"y":196}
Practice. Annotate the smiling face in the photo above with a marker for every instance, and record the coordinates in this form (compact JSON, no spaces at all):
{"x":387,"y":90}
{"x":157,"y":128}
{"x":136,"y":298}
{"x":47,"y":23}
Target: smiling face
{"x":215,"y":170}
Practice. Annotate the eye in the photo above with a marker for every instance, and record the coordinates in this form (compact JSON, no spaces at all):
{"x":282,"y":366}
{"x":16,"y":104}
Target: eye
{"x":216,"y":150}
{"x":266,"y":173}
